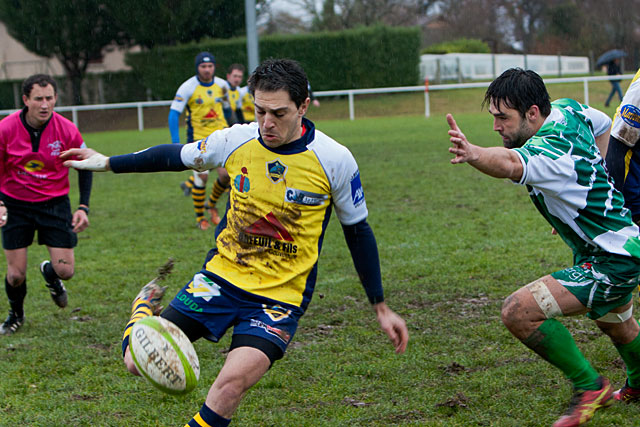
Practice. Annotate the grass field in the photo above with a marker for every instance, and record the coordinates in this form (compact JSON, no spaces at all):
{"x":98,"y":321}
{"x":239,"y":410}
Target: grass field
{"x":453,"y":244}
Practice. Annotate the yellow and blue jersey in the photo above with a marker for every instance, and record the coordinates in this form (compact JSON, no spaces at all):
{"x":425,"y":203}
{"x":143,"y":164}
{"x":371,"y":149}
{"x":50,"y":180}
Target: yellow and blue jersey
{"x":280,"y":204}
{"x":204,"y":106}
{"x":626,"y":129}
{"x":248,"y":105}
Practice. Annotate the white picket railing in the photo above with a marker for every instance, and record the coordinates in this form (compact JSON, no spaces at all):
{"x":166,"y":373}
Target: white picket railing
{"x":349,"y":93}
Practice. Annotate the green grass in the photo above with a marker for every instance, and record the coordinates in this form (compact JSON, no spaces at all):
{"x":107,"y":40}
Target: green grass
{"x":453,"y":244}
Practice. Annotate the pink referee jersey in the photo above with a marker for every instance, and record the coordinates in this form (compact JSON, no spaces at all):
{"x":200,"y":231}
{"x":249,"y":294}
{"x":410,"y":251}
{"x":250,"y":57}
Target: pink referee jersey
{"x":35,"y":176}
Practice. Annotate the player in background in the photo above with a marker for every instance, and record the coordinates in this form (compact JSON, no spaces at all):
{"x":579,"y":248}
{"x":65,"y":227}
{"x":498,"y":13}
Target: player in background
{"x":287,"y":177}
{"x":314,"y":100}
{"x":248,"y":106}
{"x":34,"y":195}
{"x":203,"y":96}
{"x":623,"y":159}
{"x":554,"y":149}
{"x":233,"y":113}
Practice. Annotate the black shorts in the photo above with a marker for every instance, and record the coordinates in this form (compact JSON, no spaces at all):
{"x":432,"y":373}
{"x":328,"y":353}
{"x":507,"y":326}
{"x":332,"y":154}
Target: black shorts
{"x":195,"y":330}
{"x":52,"y":220}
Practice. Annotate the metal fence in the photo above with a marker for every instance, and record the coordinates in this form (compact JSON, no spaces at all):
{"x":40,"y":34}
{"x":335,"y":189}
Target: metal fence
{"x":350,"y":94}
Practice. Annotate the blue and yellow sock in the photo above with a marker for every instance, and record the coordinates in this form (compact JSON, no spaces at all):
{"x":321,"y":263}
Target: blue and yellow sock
{"x":216,"y":192}
{"x":207,"y":418}
{"x":197,"y":195}
{"x":141,"y":309}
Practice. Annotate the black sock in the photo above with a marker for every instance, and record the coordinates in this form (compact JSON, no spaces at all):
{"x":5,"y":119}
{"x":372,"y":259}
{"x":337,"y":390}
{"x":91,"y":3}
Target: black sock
{"x":16,"y":295}
{"x":49,"y":273}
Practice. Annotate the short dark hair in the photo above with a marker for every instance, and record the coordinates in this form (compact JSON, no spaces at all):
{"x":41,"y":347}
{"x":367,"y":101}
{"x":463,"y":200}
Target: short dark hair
{"x":41,"y":80}
{"x":233,"y":67}
{"x":519,"y":89}
{"x":280,"y":74}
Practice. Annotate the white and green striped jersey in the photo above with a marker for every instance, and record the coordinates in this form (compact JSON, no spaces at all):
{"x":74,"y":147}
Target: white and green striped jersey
{"x":568,"y":182}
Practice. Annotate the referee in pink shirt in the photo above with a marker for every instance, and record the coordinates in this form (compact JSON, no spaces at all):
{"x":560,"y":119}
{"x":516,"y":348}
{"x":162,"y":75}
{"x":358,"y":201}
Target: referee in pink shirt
{"x":34,"y":194}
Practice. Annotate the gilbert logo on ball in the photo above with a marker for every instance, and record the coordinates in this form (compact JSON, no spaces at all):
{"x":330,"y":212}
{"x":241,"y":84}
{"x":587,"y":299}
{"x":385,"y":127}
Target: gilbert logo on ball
{"x":164,"y":355}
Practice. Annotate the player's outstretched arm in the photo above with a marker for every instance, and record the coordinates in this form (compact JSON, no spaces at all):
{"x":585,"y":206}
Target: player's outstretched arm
{"x":498,"y":162}
{"x":165,"y":157}
{"x":393,"y":325}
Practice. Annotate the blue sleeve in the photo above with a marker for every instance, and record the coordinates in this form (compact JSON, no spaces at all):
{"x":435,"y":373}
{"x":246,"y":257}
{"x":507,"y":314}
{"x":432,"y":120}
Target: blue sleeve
{"x":155,"y":159}
{"x":85,"y":178}
{"x":174,"y":126}
{"x":615,"y":160}
{"x":226,"y":111}
{"x":364,"y":252}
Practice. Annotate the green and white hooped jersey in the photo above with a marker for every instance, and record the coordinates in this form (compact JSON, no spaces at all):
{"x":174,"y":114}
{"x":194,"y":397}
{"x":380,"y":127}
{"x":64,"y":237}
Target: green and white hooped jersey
{"x":568,"y":182}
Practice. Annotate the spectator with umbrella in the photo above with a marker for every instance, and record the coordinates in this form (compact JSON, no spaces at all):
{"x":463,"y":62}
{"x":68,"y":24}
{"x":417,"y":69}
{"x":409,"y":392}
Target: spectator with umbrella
{"x":611,"y":59}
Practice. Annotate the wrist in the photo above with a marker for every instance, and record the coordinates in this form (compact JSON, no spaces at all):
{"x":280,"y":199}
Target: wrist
{"x":84,"y":208}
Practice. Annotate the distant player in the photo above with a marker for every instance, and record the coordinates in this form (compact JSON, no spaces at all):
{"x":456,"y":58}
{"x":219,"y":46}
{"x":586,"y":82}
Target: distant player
{"x":623,"y":157}
{"x":554,"y":149}
{"x":287,"y":177}
{"x":248,"y":106}
{"x":203,"y":96}
{"x":34,"y":192}
{"x":235,"y":75}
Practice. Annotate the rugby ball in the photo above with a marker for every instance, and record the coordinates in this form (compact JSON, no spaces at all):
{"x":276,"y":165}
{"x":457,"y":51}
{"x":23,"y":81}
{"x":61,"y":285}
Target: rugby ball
{"x":164,"y":355}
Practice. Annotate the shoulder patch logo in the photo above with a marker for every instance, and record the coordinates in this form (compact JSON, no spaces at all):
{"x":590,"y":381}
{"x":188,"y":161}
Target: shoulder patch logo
{"x":357,"y":193}
{"x":276,"y":170}
{"x":631,"y":115}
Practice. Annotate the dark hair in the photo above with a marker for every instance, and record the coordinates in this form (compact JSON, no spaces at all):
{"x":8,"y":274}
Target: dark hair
{"x":280,"y":74}
{"x":41,"y":80}
{"x":519,"y":89}
{"x":233,"y":67}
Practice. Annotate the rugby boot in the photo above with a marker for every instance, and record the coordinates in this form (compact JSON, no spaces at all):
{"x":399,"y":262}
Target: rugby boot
{"x":152,"y":292}
{"x":11,"y":324}
{"x":627,"y":394}
{"x":203,"y":224}
{"x":56,"y":288}
{"x":585,"y":403}
{"x":186,"y":190}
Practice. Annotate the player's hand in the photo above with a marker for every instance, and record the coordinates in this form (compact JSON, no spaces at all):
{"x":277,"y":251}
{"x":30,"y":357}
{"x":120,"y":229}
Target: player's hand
{"x":4,"y":215}
{"x":90,"y":160}
{"x":316,"y":103}
{"x":80,"y":221}
{"x":393,"y":325}
{"x":463,"y":150}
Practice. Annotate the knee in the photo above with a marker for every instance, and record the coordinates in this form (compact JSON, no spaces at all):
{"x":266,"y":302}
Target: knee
{"x":16,"y":278}
{"x":231,"y":388}
{"x":223,"y":176}
{"x":514,"y":312}
{"x":64,"y":271}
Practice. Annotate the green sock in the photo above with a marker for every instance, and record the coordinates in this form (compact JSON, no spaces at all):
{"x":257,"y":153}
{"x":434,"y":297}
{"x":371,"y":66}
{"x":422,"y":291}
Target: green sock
{"x":553,"y":342}
{"x":630,"y":353}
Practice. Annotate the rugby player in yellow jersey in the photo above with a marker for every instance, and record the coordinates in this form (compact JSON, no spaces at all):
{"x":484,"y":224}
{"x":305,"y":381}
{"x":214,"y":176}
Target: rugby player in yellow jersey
{"x":203,"y":96}
{"x":286,"y":178}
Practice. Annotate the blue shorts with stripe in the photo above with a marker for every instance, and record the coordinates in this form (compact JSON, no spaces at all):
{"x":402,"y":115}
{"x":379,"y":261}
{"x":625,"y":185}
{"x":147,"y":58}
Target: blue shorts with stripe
{"x":219,"y":306}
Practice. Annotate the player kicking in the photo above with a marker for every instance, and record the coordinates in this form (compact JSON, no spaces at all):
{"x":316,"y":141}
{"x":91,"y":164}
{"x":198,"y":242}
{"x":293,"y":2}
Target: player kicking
{"x":286,"y":176}
{"x":555,"y":150}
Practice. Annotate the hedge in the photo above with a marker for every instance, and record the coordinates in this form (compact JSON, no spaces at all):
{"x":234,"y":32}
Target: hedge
{"x":376,"y":56}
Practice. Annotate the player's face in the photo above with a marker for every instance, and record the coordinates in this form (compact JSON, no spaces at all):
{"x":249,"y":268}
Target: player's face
{"x":235,"y":78}
{"x":206,"y":71}
{"x":512,"y":127}
{"x":40,"y":105}
{"x":279,"y":119}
